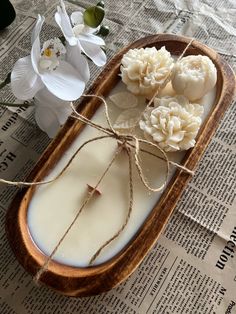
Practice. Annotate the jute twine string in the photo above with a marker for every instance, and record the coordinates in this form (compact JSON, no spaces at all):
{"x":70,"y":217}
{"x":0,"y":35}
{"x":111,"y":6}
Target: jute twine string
{"x":126,"y":142}
{"x":23,"y":183}
{"x":128,"y":213}
{"x":166,"y":80}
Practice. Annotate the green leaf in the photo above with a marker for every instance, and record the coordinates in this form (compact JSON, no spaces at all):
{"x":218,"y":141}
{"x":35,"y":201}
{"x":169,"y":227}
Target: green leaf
{"x":93,"y":16}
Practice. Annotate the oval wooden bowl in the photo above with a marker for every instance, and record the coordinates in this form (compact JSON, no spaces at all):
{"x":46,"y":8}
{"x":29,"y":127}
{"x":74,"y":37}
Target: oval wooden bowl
{"x":75,"y":281}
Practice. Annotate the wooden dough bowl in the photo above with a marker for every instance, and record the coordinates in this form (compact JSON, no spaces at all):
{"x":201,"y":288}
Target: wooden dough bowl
{"x":75,"y":281}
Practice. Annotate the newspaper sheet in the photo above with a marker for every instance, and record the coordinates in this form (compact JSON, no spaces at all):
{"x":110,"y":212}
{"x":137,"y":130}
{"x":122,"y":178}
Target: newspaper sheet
{"x":192,"y":268}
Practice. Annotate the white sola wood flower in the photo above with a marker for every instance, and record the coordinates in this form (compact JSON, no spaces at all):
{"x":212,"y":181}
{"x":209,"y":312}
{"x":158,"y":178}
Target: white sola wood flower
{"x":46,"y":68}
{"x":194,"y":76}
{"x":173,"y":123}
{"x":80,"y":36}
{"x":143,"y":70}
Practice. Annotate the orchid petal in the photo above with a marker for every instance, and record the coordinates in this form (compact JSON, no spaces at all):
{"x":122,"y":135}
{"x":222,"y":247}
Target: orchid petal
{"x":25,"y":83}
{"x":35,"y":50}
{"x":63,"y":21}
{"x":37,"y":28}
{"x":58,"y":110}
{"x":64,"y":82}
{"x":63,"y":111}
{"x":47,"y":120}
{"x":35,"y":55}
{"x":90,"y":30}
{"x":61,"y":108}
{"x":91,"y":39}
{"x":94,"y":52}
{"x":78,"y":61}
{"x":77,"y":18}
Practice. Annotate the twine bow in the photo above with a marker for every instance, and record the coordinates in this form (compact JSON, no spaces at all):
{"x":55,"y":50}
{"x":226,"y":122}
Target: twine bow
{"x":128,"y":143}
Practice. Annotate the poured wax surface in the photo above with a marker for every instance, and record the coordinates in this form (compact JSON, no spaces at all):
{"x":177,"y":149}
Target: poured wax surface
{"x":54,"y":206}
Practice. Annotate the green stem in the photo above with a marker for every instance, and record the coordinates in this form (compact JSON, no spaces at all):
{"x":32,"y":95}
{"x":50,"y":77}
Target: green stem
{"x":25,"y":104}
{"x":8,"y":104}
{"x":2,"y":84}
{"x":6,"y":81}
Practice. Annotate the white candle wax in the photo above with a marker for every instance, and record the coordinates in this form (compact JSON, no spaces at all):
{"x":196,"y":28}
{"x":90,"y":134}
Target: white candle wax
{"x":55,"y":205}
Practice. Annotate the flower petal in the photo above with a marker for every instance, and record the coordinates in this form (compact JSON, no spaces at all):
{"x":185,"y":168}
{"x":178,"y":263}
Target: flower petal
{"x":35,"y":50}
{"x":35,"y":55}
{"x":63,"y":21}
{"x":63,"y":111}
{"x":37,"y":28}
{"x":91,"y":39}
{"x":47,"y":120}
{"x":78,"y":61}
{"x":94,"y":52}
{"x":77,"y":18}
{"x":60,"y":108}
{"x":25,"y":83}
{"x":64,"y":82}
{"x":90,"y":30}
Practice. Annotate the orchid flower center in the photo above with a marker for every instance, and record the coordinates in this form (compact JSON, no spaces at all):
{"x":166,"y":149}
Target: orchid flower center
{"x":53,"y":51}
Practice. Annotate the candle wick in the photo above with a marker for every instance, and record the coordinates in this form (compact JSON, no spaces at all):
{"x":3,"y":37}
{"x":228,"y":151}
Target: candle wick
{"x":91,"y":189}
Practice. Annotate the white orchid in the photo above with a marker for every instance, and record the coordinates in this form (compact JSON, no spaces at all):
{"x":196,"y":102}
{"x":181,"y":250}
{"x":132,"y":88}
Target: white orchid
{"x":50,"y":112}
{"x":55,"y":75}
{"x":46,"y":68}
{"x":80,"y":36}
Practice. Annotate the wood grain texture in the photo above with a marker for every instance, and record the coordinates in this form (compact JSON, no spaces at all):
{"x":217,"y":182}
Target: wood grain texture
{"x":75,"y":281}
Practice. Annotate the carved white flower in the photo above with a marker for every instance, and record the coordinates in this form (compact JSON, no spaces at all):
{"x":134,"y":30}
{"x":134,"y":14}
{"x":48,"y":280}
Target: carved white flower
{"x":194,"y":76}
{"x":173,"y":123}
{"x":143,"y":70}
